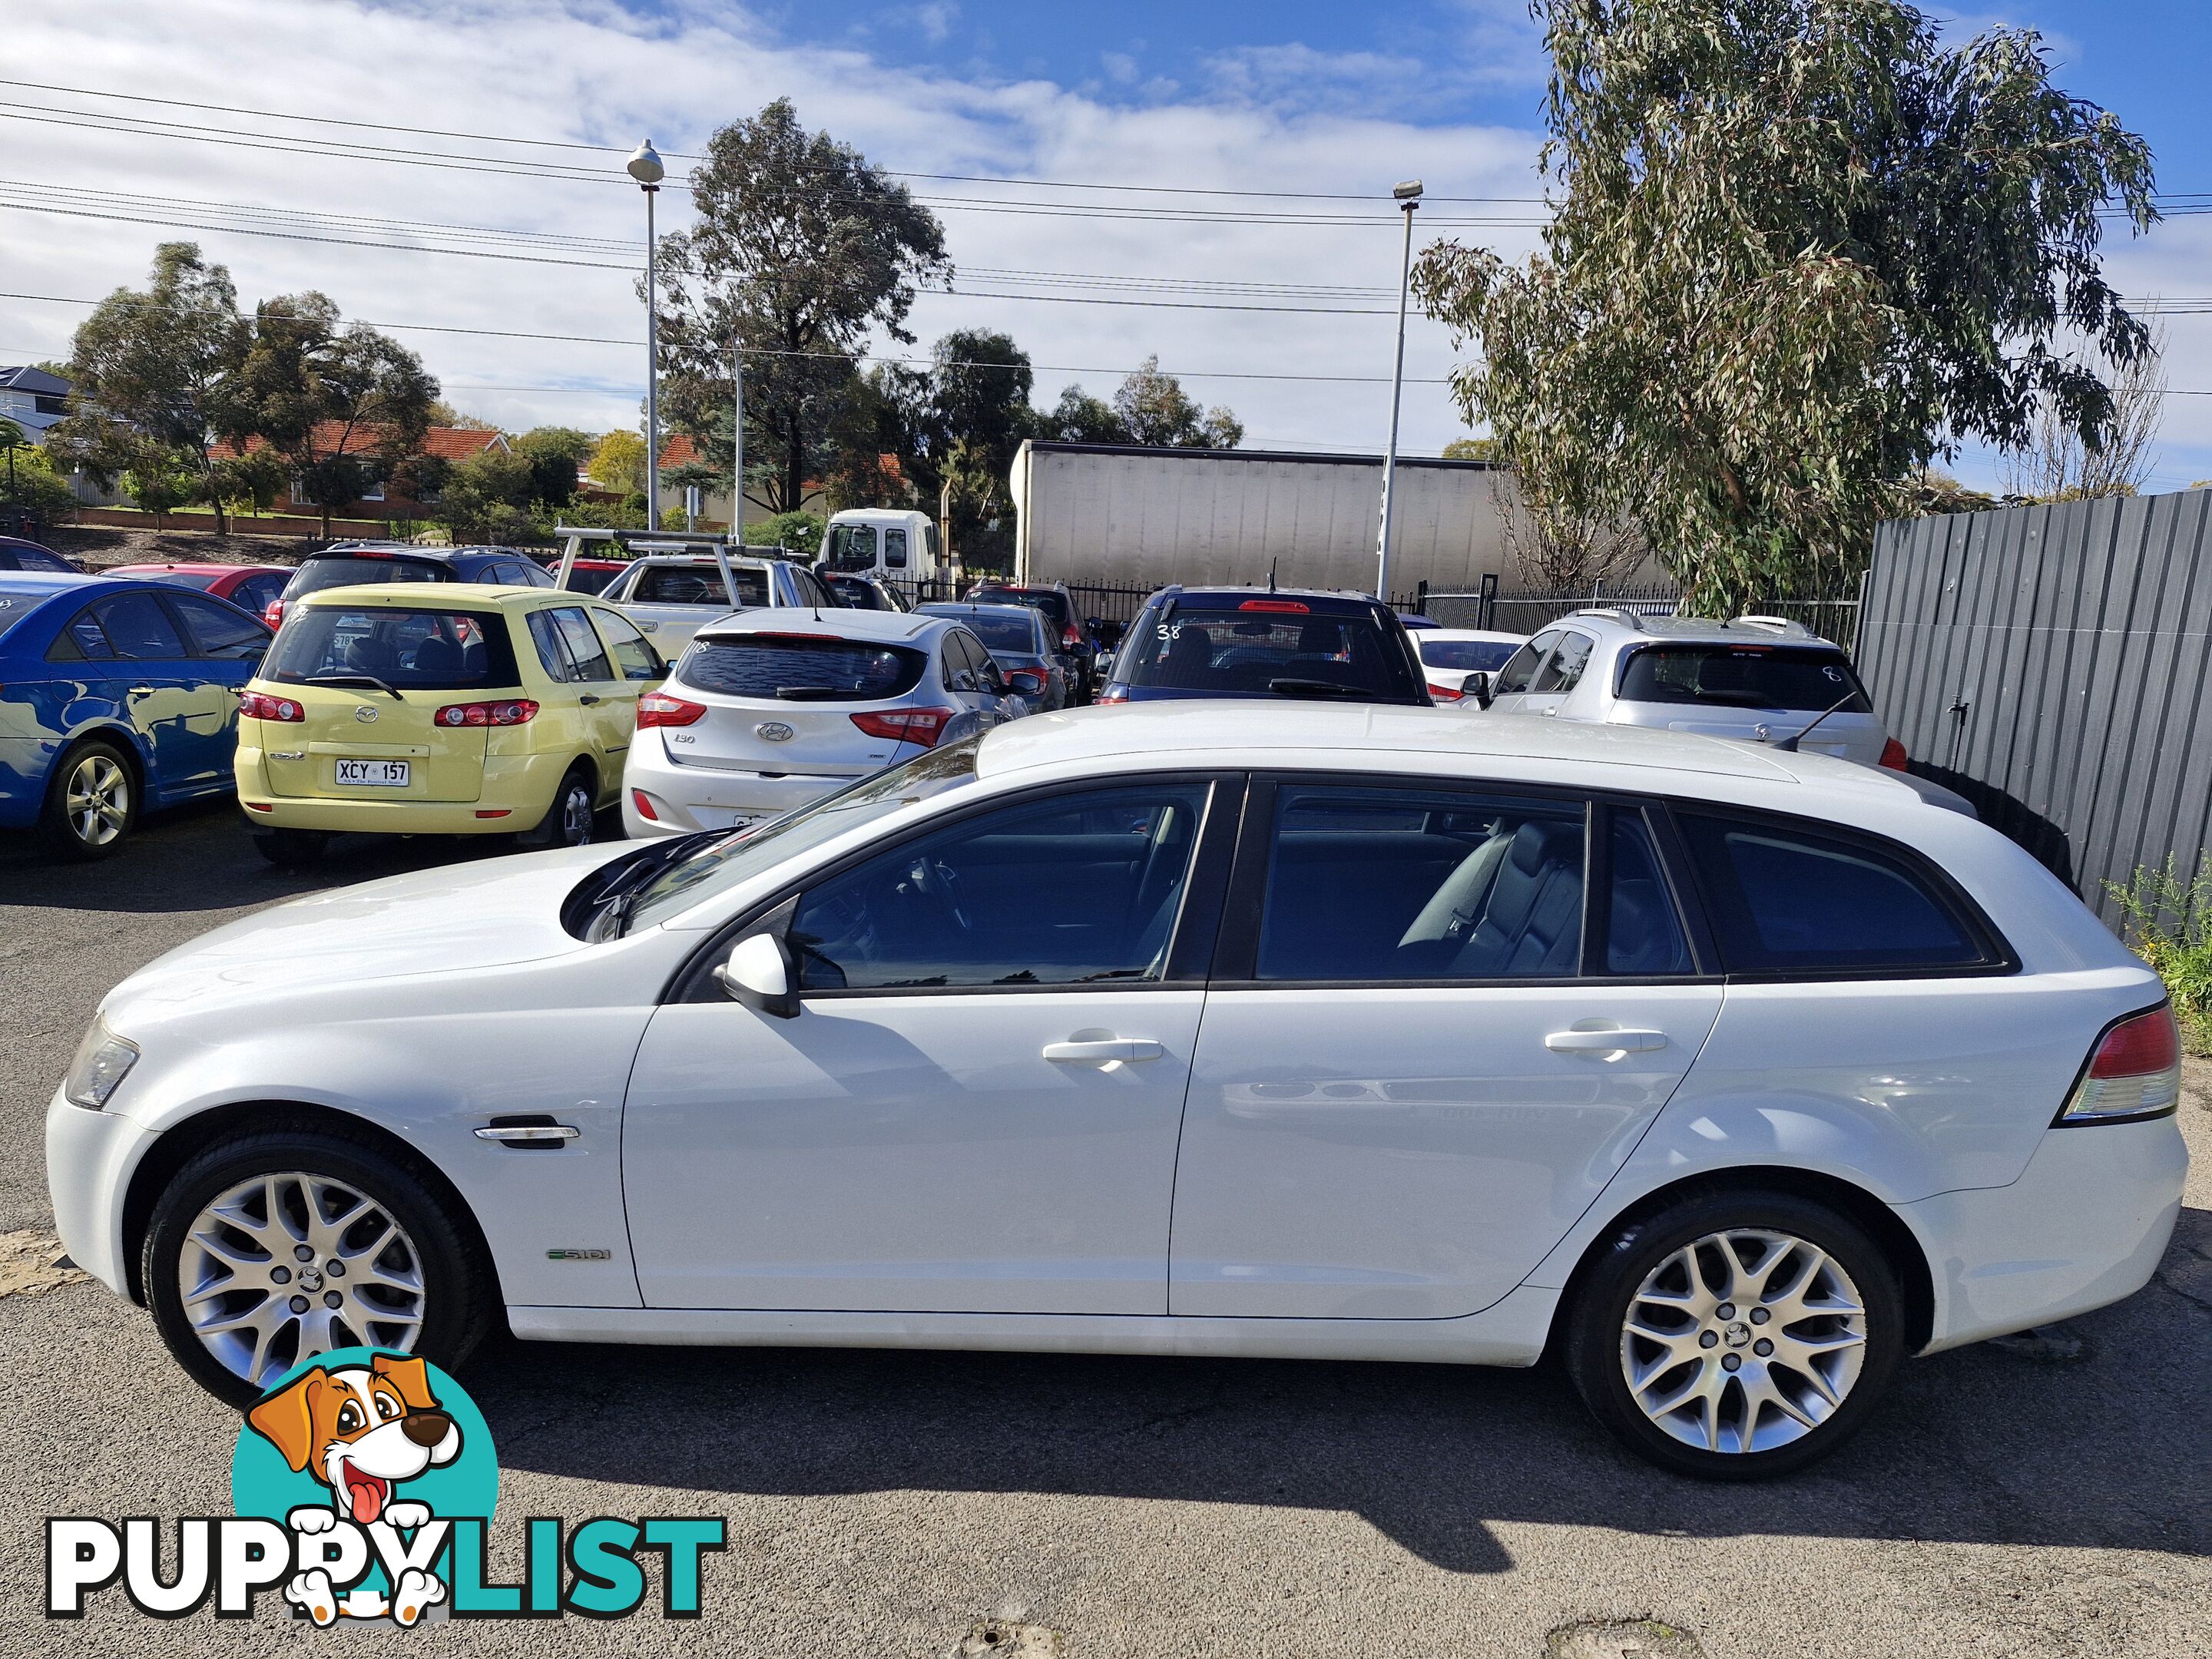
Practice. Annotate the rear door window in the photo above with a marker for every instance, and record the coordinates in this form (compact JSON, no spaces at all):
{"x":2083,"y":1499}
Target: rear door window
{"x":139,"y":628}
{"x":1798,"y":678}
{"x":1787,"y":900}
{"x":801,"y":668}
{"x":440,"y":650}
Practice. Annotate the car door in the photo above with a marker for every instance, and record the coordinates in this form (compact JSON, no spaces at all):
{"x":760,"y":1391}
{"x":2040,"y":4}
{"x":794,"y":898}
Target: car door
{"x":609,"y":701}
{"x":1424,"y":1051}
{"x":976,"y":1107}
{"x":1509,"y":691}
{"x":1560,"y":672}
{"x":184,"y":719}
{"x":228,"y":647}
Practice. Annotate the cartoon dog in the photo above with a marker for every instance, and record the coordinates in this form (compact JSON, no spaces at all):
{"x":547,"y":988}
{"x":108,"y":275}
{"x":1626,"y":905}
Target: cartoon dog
{"x":360,"y":1429}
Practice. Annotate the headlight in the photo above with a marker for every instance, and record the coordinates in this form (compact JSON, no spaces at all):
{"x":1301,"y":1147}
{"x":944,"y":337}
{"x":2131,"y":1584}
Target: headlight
{"x":103,"y":1061}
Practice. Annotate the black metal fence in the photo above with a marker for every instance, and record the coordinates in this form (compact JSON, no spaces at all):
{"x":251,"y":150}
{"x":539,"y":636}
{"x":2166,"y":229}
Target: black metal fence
{"x":1527,"y":612}
{"x":2054,"y":665}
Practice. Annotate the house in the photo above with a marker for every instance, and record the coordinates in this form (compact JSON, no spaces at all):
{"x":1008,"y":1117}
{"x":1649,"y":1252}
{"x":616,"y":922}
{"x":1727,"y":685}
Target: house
{"x":33,"y":399}
{"x":385,"y":499}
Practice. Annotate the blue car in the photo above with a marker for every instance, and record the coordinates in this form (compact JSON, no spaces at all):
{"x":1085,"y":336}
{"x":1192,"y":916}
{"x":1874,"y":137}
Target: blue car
{"x":1253,"y":642}
{"x":116,"y":698}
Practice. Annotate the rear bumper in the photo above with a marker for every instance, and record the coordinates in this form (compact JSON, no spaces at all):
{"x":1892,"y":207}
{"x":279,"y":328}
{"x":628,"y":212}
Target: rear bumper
{"x":2084,"y":1225}
{"x":518,"y":787}
{"x":685,"y":799}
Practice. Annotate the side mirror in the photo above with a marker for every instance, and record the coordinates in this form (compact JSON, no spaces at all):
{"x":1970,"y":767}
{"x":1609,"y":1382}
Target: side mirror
{"x":1477,"y":685}
{"x":762,"y":973}
{"x":1105,"y":670}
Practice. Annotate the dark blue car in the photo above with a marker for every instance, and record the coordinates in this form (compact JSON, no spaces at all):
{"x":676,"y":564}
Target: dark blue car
{"x":1260,"y":642}
{"x":116,"y":698}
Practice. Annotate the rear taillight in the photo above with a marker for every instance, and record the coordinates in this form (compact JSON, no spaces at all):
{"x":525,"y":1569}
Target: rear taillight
{"x":1071,"y":637}
{"x":1894,"y":756}
{"x":272,"y":615}
{"x":921,"y":725}
{"x":1449,"y":693}
{"x":260,"y":706}
{"x":514,"y":711}
{"x":2134,"y":1072}
{"x":1112,"y":694}
{"x":659,"y":709}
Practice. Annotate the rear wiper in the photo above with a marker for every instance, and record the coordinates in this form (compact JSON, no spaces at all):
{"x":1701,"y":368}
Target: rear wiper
{"x":370,"y":680}
{"x":1295,"y":688}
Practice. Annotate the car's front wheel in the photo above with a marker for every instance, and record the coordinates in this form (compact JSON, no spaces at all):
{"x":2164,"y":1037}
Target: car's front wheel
{"x":92,"y":802}
{"x":1736,"y":1335}
{"x":271,"y":1248}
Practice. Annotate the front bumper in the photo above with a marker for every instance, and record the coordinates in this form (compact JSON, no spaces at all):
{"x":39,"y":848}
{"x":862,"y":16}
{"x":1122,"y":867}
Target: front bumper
{"x":2085,"y":1225}
{"x":90,"y":1157}
{"x":519,"y":788}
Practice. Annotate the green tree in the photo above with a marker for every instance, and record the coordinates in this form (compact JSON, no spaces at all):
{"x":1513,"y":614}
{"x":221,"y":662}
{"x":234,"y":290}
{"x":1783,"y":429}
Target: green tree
{"x":1080,"y":418}
{"x":799,"y":533}
{"x":956,"y":426}
{"x":157,"y":479}
{"x":556,"y":453}
{"x":1155,"y":410}
{"x":801,"y":252}
{"x":154,"y":367}
{"x":30,"y":479}
{"x":617,"y":464}
{"x":1471,"y":449}
{"x":1800,"y":249}
{"x":489,"y":498}
{"x":256,"y":478}
{"x":343,"y":404}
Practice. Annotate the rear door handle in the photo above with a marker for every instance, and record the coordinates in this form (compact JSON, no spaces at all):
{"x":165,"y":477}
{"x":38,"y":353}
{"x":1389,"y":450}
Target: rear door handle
{"x":141,"y":690}
{"x":1098,"y":1051}
{"x":588,"y":699}
{"x":1604,"y":1042}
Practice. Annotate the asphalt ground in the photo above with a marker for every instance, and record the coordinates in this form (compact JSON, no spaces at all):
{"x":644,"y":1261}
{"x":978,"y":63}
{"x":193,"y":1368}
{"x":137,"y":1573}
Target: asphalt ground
{"x":886,"y":1503}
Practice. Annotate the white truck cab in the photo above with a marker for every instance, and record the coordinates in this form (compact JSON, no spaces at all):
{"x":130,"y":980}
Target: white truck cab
{"x":893,"y":545}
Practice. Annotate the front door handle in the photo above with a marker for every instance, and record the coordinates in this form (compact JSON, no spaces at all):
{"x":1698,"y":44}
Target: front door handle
{"x":1098,"y":1051}
{"x":1612,"y":1040}
{"x":528,"y":1134}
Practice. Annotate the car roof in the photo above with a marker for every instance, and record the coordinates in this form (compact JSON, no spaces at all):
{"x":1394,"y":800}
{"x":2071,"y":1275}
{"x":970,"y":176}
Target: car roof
{"x":44,"y":584}
{"x":1693,"y":630}
{"x":188,"y":564}
{"x":408,"y":549}
{"x":964,"y":608}
{"x":883,"y":627}
{"x":1323,"y":600}
{"x":447,"y":596}
{"x":750,"y":561}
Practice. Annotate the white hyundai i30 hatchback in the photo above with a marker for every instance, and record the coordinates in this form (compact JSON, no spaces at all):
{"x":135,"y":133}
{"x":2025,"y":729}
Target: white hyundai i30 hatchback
{"x":1734,"y":1077}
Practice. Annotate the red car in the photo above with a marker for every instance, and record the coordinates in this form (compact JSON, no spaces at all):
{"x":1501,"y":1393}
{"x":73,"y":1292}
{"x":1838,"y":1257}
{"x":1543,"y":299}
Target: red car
{"x":249,"y":586}
{"x":591,"y":575}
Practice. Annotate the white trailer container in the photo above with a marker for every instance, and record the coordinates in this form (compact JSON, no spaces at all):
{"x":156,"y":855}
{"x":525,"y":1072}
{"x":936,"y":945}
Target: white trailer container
{"x":1102,"y":513}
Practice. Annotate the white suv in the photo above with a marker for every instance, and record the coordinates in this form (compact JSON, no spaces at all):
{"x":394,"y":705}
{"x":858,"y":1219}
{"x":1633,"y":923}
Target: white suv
{"x":1759,"y":679}
{"x":772,"y":710}
{"x":1176,"y":1028}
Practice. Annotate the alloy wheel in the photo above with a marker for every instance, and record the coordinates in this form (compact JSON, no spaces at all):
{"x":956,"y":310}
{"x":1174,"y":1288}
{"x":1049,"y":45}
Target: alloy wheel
{"x":286,"y":1265}
{"x":1743,"y":1340}
{"x":96,"y":800}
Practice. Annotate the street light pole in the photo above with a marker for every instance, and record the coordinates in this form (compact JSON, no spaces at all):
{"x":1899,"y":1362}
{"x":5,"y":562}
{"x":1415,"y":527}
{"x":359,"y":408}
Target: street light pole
{"x":645,"y":167}
{"x":738,"y":444}
{"x":1408,"y":195}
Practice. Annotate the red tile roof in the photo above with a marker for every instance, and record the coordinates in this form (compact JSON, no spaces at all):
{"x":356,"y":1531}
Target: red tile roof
{"x":452,"y":443}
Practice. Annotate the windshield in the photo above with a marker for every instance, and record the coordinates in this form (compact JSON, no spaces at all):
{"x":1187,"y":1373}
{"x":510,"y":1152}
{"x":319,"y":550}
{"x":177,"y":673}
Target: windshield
{"x":852,"y":547}
{"x":684,"y":584}
{"x":1228,"y":650}
{"x":362,"y":570}
{"x":407,"y":650}
{"x":1486,"y":655}
{"x":583,"y":578}
{"x":718,"y":868}
{"x":1744,"y":677}
{"x":795,"y":666}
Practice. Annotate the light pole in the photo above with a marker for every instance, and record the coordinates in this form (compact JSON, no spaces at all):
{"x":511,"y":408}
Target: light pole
{"x":1409,"y":198}
{"x":645,"y":167}
{"x":738,"y":441}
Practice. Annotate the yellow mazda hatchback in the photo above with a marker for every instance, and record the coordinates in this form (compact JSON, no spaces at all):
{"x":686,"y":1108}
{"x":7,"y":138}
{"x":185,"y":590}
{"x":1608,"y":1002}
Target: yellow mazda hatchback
{"x":428,"y":708}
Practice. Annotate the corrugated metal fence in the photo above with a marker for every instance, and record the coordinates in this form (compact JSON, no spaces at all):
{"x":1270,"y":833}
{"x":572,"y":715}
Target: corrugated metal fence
{"x":2054,"y":665}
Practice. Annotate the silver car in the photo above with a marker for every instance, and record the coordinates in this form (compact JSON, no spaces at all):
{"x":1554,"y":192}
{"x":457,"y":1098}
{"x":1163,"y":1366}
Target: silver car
{"x":1759,"y":679}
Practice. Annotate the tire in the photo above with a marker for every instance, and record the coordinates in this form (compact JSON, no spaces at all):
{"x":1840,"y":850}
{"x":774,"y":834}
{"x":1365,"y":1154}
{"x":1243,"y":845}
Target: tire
{"x":92,"y":802}
{"x":447,"y":1312}
{"x":571,"y":820}
{"x":292,"y":849}
{"x":1687,"y":1409}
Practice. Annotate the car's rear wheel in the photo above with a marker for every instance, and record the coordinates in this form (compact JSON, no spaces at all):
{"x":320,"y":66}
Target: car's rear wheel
{"x":569,"y":822}
{"x":291,"y":849}
{"x":1736,"y":1335}
{"x":269,"y":1248}
{"x":92,"y":802}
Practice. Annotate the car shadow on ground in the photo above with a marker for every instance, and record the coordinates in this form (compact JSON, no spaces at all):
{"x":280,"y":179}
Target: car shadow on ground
{"x":1980,"y":1445}
{"x":201,"y":857}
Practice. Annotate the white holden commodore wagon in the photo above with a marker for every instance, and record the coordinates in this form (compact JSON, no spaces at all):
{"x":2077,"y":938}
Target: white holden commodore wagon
{"x":1734,"y":1076}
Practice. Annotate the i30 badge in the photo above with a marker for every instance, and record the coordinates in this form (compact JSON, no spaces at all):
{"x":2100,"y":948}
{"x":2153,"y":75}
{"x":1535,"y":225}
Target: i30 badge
{"x":773,"y":730}
{"x":364,"y":714}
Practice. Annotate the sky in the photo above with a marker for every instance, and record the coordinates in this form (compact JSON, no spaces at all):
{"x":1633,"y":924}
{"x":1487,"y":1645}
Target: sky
{"x":1280,"y":306}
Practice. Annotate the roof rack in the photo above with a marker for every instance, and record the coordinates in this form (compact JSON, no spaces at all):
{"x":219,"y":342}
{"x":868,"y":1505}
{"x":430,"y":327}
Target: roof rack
{"x":1616,"y":614}
{"x":1785,"y":626}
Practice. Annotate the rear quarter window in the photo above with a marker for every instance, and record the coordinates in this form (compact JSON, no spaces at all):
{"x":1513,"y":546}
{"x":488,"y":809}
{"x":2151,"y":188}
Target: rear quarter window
{"x":1785,"y":901}
{"x":798,"y":668}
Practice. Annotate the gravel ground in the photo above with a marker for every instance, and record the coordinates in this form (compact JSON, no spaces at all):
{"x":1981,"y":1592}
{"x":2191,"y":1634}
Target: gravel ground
{"x":912,"y":1504}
